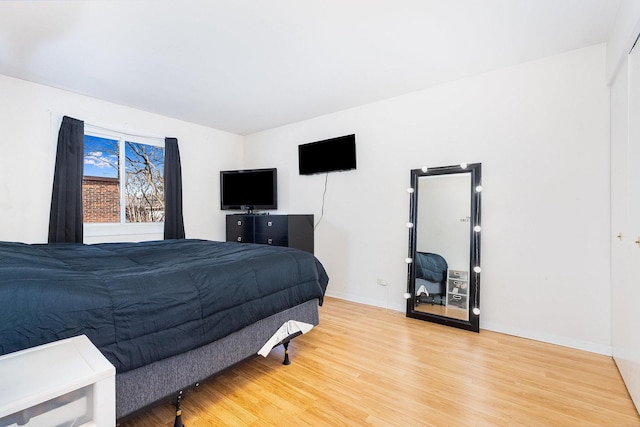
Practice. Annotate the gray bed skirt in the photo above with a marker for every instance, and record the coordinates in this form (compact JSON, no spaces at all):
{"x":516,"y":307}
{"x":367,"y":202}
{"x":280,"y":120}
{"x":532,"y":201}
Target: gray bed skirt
{"x":148,"y":384}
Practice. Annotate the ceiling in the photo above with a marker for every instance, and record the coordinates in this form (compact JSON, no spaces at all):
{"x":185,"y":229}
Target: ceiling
{"x":248,"y":65}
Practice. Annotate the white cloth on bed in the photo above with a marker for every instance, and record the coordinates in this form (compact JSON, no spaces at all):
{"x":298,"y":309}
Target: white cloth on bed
{"x":287,"y":329}
{"x":422,"y":291}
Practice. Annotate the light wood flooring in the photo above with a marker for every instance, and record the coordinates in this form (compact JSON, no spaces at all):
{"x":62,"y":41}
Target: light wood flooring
{"x":369,"y":366}
{"x":443,"y":310}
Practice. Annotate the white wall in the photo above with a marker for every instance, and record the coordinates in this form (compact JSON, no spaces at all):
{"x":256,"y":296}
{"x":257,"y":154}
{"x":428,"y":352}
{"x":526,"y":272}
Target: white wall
{"x":29,"y":117}
{"x":541,"y":132}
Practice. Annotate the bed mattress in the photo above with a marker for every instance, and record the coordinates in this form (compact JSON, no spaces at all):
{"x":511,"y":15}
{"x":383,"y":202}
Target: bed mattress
{"x":144,"y":302}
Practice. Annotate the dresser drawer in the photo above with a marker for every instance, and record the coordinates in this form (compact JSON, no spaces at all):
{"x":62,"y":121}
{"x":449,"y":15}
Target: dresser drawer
{"x":458,"y":286}
{"x":271,"y":230}
{"x":458,"y":274}
{"x":239,"y":229}
{"x":457,"y":300}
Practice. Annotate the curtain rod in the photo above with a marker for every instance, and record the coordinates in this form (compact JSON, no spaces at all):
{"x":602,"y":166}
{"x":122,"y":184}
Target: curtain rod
{"x":124,"y":133}
{"x":58,"y":118}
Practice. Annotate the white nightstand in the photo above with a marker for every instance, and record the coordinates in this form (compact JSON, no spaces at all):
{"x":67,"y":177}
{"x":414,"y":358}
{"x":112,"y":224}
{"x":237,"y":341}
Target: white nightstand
{"x":67,"y":382}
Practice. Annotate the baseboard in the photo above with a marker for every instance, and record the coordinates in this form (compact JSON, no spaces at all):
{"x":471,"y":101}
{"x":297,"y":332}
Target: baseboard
{"x":548,"y":338}
{"x":367,"y":301}
{"x":495,"y":327}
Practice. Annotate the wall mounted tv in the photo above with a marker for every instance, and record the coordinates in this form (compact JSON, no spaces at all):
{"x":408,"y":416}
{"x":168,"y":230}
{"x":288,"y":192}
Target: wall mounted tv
{"x":335,"y":154}
{"x":249,"y":189}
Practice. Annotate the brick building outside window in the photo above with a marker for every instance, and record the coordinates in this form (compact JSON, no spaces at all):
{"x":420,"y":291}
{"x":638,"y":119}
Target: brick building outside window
{"x":100,"y":199}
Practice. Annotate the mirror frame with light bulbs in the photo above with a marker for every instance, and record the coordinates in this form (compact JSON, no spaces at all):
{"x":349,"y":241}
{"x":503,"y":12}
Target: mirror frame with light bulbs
{"x":473,"y":312}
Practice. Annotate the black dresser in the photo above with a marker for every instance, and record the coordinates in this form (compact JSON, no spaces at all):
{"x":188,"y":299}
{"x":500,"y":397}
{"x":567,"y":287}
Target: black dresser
{"x":294,"y":231}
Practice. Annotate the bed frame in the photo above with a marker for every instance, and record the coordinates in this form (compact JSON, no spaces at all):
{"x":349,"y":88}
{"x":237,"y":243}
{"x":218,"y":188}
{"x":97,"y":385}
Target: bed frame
{"x":141,"y":388}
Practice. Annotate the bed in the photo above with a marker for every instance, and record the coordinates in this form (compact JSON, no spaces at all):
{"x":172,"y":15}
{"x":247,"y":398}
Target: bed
{"x":431,"y":278}
{"x":167,"y":314}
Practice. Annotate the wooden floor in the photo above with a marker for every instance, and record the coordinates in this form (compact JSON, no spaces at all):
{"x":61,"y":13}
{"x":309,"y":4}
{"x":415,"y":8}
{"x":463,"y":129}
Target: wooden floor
{"x":443,"y":310}
{"x":369,"y":366}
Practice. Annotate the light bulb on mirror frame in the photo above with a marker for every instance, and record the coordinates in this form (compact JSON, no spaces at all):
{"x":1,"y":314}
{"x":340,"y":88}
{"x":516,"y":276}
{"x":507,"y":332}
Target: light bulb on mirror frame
{"x":476,"y":311}
{"x":410,"y":190}
{"x":478,"y":188}
{"x":407,"y":295}
{"x":477,"y":228}
{"x":477,"y":269}
{"x":408,"y":260}
{"x":425,"y":169}
{"x":463,"y":165}
{"x":409,"y":225}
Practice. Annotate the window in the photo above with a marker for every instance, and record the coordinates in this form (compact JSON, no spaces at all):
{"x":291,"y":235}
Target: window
{"x":123,"y":180}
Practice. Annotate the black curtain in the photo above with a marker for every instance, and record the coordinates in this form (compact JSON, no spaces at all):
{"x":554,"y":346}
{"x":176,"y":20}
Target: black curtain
{"x":173,"y":221}
{"x":65,"y":219}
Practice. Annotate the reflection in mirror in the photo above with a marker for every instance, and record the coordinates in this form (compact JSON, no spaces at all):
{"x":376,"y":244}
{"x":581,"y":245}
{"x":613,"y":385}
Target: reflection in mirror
{"x":444,"y":245}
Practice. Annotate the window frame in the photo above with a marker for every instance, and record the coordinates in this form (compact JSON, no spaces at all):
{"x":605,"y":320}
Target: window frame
{"x":122,"y":228}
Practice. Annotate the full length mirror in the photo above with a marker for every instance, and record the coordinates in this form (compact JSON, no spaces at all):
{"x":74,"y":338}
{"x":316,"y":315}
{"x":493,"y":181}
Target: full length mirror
{"x":444,"y":245}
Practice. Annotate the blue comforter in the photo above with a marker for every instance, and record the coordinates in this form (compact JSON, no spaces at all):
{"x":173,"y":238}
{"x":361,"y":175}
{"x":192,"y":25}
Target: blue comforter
{"x":142,"y":302}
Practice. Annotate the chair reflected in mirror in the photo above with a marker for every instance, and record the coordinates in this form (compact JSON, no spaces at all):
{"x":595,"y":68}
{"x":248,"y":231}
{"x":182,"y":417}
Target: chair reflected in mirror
{"x":431,"y":278}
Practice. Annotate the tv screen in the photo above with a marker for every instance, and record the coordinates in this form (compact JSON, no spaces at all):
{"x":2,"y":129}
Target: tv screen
{"x":335,"y":154}
{"x":249,"y":189}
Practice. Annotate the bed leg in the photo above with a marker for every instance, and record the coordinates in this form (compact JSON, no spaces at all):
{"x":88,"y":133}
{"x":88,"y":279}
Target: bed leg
{"x":178,"y":422}
{"x":286,"y":353}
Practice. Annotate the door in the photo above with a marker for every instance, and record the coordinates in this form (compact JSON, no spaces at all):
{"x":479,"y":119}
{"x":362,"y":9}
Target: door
{"x":625,"y":223}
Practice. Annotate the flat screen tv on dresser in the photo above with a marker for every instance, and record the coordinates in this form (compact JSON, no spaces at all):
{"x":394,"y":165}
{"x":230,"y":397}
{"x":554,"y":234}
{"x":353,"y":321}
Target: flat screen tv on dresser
{"x":249,"y":189}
